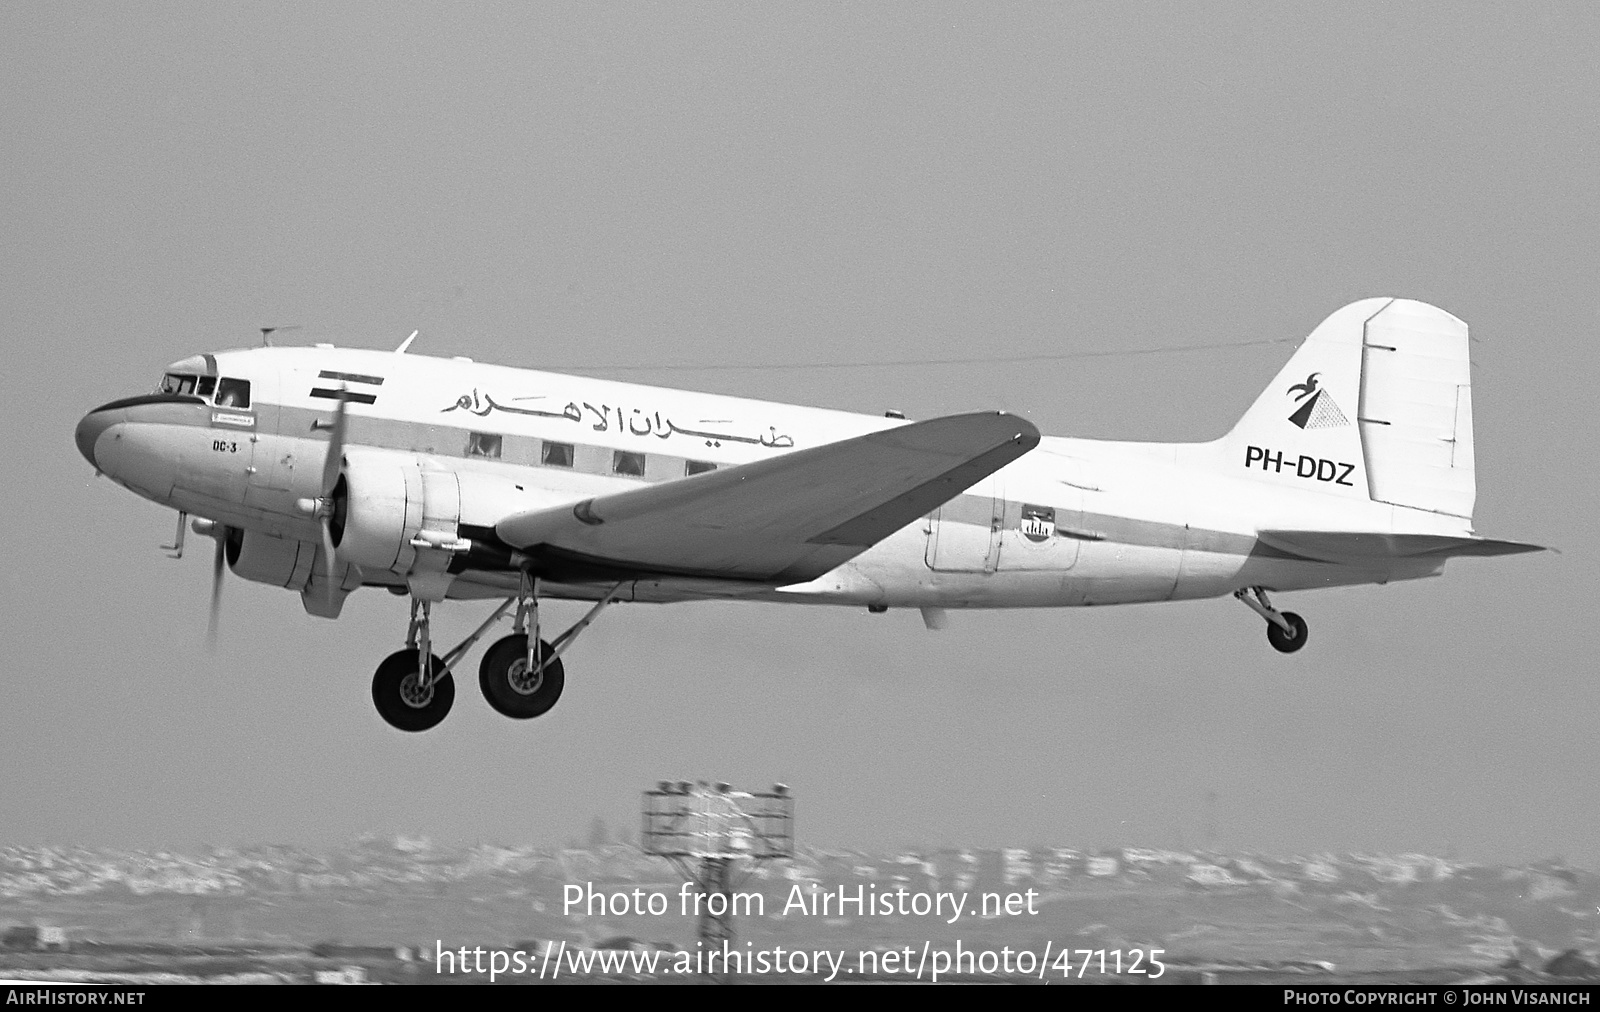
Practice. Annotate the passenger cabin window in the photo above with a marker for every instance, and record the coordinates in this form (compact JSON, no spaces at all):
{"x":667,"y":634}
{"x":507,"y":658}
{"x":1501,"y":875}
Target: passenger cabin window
{"x":556,"y":454}
{"x":483,"y":444}
{"x":697,"y":467}
{"x":233,"y":393}
{"x":177,"y":383}
{"x":627,"y":462}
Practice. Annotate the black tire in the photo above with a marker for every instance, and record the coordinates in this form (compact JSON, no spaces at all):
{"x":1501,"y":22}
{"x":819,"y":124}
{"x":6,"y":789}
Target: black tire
{"x":400,"y":704}
{"x":501,"y":677}
{"x":1287,"y":643}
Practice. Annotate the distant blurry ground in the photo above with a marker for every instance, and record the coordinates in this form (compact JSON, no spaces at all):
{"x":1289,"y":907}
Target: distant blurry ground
{"x":249,"y":910}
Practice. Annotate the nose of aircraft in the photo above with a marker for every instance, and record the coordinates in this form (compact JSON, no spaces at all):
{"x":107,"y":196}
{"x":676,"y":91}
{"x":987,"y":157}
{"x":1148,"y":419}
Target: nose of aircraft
{"x":89,"y":429}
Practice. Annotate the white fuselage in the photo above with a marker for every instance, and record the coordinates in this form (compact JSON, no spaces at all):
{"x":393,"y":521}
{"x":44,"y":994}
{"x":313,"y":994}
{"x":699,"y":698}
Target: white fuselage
{"x":1074,"y":522}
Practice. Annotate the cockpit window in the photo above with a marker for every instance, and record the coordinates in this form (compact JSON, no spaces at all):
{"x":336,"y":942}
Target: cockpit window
{"x":177,"y":383}
{"x":208,"y":384}
{"x":233,"y":393}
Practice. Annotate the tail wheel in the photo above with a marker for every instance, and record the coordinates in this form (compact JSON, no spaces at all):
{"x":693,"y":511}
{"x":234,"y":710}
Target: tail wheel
{"x":509,"y":685}
{"x":404,"y":700}
{"x":1287,"y":642}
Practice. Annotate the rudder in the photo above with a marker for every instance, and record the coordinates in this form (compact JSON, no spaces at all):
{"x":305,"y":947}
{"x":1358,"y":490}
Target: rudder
{"x":1416,"y":409}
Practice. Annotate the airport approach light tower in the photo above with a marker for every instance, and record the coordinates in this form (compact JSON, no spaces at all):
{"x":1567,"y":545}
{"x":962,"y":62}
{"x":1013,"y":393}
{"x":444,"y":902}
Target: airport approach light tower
{"x":706,"y":831}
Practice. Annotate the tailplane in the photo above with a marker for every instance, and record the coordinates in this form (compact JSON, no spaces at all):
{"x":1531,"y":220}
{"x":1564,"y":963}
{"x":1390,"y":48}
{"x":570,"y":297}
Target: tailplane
{"x":1356,"y":547}
{"x":1375,"y":404}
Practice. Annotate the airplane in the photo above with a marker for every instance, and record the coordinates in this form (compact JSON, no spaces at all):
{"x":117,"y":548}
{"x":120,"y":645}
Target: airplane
{"x":325,"y":469}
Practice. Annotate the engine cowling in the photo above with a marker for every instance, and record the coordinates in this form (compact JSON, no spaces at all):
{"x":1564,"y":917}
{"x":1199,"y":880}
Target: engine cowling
{"x":262,"y":558}
{"x":381,"y":502}
{"x":386,"y":502}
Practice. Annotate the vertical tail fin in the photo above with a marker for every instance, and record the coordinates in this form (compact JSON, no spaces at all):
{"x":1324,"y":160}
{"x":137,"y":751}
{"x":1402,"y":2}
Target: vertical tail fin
{"x":1375,"y":404}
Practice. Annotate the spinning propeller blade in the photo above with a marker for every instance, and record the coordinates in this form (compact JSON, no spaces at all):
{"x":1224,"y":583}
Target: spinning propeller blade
{"x":331,"y":466}
{"x":327,"y":552}
{"x":217,"y":563}
{"x":335,"y":458}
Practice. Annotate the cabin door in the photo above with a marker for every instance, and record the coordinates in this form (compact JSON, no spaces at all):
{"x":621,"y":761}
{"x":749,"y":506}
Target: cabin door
{"x":964,"y":533}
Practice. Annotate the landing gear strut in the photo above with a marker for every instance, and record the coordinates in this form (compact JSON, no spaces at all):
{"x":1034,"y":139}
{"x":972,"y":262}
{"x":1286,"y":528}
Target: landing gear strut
{"x":521,"y":675}
{"x":412,"y":688}
{"x":1286,"y":631}
{"x":518,"y":675}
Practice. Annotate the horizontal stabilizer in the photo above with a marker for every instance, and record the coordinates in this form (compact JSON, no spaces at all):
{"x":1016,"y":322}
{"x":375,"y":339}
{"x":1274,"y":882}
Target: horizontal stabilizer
{"x":784,"y":520}
{"x":1347,"y":546}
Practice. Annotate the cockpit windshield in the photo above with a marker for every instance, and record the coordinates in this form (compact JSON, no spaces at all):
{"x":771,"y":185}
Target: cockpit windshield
{"x":229,"y":392}
{"x":176,"y":383}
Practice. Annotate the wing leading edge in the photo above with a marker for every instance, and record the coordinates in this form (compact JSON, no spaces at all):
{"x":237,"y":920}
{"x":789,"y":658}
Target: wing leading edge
{"x":784,"y":520}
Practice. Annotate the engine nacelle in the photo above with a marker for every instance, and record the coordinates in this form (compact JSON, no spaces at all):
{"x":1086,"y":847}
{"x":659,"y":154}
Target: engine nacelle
{"x":262,"y":558}
{"x":387,"y":503}
{"x":382,"y":502}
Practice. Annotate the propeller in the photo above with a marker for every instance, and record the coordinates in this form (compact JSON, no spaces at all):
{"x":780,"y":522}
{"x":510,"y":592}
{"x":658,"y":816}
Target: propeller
{"x":217,"y":563}
{"x":323,"y":506}
{"x":218,"y":532}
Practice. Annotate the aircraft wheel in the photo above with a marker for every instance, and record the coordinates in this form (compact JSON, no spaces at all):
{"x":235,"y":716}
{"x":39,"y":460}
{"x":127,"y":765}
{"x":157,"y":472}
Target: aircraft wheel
{"x":403,"y":701}
{"x":507,"y":685}
{"x":1287,"y":643}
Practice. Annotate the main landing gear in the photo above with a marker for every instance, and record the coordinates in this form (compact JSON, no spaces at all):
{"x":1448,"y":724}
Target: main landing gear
{"x":412,"y":688}
{"x":1286,"y":631}
{"x":521,"y":675}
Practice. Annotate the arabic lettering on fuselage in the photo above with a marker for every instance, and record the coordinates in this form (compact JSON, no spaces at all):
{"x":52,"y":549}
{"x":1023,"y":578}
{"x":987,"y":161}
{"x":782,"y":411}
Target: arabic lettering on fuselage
{"x":639,"y":423}
{"x":482,"y":405}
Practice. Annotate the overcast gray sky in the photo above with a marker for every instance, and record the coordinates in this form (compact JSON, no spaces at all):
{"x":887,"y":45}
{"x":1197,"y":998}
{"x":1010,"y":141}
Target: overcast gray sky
{"x":756,"y":184}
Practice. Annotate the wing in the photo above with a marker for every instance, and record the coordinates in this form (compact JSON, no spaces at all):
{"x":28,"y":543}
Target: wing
{"x":1352,"y":546}
{"x":778,"y":521}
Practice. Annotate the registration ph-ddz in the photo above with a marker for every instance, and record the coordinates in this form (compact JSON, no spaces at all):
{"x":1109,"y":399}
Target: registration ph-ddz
{"x":1303,"y":466}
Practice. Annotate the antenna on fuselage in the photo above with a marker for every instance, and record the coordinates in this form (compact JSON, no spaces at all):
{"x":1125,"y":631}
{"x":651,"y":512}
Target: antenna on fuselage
{"x":407,"y":343}
{"x":267,"y":332}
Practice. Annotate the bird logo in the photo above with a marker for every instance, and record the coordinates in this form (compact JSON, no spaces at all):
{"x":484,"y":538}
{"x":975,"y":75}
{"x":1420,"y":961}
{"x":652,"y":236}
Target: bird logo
{"x":1307,"y":388}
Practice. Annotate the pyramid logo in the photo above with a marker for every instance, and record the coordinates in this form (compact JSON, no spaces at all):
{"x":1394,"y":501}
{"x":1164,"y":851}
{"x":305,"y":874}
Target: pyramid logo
{"x":1316,"y":410}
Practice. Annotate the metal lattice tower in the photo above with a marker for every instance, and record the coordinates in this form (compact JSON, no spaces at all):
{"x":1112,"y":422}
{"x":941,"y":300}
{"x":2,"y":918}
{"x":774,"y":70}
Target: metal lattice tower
{"x":711,"y":831}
